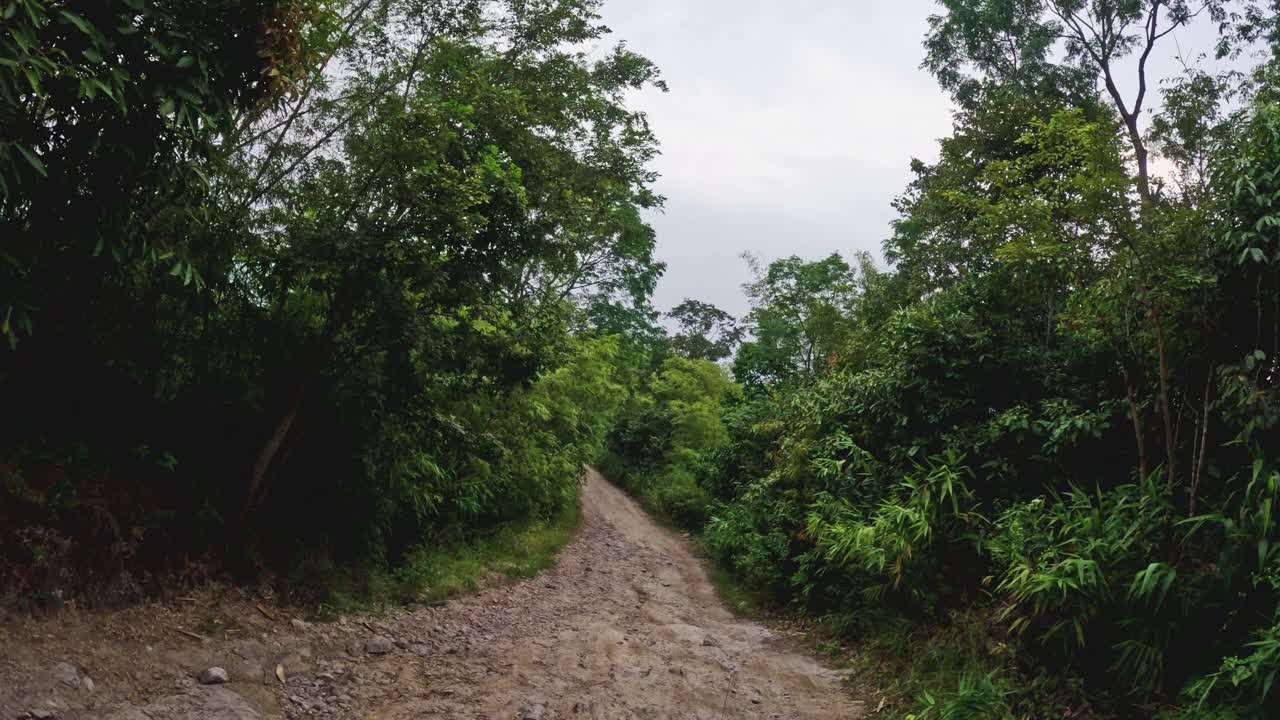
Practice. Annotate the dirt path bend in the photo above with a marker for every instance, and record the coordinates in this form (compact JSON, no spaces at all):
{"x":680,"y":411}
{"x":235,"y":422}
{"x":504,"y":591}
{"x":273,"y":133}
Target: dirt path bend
{"x":627,"y":625}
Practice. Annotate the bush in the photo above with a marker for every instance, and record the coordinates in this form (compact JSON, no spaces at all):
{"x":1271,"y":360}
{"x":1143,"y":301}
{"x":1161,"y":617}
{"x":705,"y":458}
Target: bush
{"x":666,"y":436}
{"x":1069,"y":559}
{"x":978,"y":697}
{"x":677,"y":497}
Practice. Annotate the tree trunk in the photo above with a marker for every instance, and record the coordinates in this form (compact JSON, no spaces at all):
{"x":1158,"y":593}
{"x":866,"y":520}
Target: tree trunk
{"x":1139,"y":432}
{"x":1170,"y":443}
{"x":1202,"y":456}
{"x":257,"y":485}
{"x":1140,"y":155}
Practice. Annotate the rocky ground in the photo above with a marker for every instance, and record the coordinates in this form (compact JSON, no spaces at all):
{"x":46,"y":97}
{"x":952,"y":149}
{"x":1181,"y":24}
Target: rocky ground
{"x":627,"y":625}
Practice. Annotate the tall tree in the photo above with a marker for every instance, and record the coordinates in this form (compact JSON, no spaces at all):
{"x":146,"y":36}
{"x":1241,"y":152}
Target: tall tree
{"x":444,"y":204}
{"x":1015,"y":42}
{"x":706,"y":331}
{"x":107,"y":112}
{"x":798,"y":320}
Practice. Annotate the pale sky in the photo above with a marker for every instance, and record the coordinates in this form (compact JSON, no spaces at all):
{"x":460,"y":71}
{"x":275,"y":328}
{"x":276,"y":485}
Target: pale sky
{"x":789,"y":127}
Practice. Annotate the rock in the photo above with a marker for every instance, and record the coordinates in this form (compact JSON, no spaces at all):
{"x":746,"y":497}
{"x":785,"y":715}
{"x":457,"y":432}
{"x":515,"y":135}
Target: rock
{"x":86,"y":684}
{"x":300,"y":624}
{"x":378,"y":646}
{"x":37,"y":715}
{"x":203,"y":703}
{"x":709,"y":641}
{"x":67,"y":674}
{"x":213,"y":676}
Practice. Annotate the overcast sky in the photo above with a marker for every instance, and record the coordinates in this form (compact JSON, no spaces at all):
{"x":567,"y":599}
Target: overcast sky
{"x":789,"y":127}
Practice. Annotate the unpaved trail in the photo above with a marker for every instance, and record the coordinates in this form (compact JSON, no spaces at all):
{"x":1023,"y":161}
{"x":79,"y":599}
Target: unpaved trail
{"x":626,"y":625}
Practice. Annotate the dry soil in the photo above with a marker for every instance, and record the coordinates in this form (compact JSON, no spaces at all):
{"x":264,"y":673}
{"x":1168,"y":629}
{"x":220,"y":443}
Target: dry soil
{"x":627,"y":625}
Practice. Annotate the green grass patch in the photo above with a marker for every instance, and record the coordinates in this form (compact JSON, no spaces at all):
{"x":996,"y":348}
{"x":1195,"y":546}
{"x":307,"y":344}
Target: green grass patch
{"x":433,"y":574}
{"x":916,"y":667}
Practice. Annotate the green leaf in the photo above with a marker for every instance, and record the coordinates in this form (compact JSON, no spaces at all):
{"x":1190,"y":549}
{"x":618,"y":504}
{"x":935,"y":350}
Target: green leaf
{"x":32,"y":78}
{"x":35,"y":161}
{"x":166,"y":106}
{"x":92,"y":54}
{"x":186,"y":61}
{"x":78,"y":21}
{"x":105,"y":88}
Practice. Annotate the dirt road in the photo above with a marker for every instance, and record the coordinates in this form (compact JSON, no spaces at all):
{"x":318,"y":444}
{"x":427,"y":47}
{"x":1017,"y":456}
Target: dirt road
{"x":625,"y":626}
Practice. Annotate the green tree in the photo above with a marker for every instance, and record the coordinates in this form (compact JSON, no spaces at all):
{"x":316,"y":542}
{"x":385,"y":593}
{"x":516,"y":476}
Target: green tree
{"x":395,"y":238}
{"x":109,"y":111}
{"x":706,"y":331}
{"x":1013,"y":42}
{"x":486,"y":192}
{"x":797,"y":321}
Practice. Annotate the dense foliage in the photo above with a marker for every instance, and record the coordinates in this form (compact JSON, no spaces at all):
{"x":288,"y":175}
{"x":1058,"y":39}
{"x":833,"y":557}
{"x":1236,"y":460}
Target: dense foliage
{"x":291,"y":283}
{"x":667,"y":434}
{"x":1035,"y":462}
{"x":311,"y":288}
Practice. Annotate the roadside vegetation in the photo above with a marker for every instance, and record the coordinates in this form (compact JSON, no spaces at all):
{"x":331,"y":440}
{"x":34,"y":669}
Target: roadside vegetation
{"x":306,"y":288}
{"x":432,"y":574}
{"x":345,"y":293}
{"x":1029,"y":469}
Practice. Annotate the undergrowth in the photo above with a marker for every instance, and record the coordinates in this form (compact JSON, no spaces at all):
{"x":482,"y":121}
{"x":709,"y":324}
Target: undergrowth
{"x":907,"y":670}
{"x":433,"y":575}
